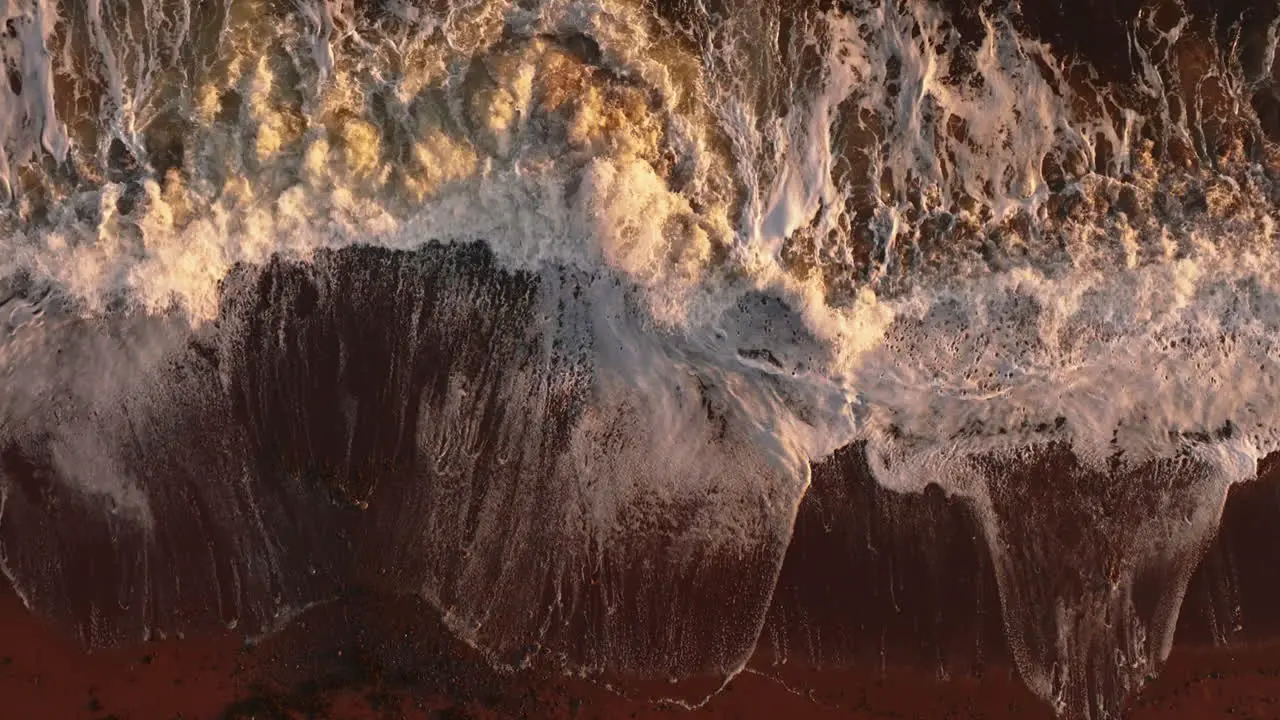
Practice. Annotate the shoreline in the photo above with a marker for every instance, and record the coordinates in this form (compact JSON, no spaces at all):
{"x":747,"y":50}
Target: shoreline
{"x":316,"y":668}
{"x":924,"y":638}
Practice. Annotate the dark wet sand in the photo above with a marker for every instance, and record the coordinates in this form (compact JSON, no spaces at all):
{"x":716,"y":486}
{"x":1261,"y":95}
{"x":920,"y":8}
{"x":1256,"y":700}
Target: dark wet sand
{"x":908,"y":627}
{"x":322,"y":668}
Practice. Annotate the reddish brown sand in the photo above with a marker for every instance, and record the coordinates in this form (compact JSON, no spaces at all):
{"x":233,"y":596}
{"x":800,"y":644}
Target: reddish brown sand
{"x":346,"y":670}
{"x":380,"y":656}
{"x":377,"y":656}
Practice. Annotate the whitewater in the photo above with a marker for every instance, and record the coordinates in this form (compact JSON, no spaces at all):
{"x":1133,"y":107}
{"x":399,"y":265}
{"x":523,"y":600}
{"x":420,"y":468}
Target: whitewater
{"x":599,"y":281}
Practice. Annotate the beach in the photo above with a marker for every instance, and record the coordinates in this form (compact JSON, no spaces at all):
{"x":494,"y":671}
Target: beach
{"x":639,"y":358}
{"x":921,"y":641}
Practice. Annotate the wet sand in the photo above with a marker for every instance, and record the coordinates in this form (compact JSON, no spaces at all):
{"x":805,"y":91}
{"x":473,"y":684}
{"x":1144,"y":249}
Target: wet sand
{"x":322,"y":668}
{"x":909,"y":629}
{"x":359,"y":659}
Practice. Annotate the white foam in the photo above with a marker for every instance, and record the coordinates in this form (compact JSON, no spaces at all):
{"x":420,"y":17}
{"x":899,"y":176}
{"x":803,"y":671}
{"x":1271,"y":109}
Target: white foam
{"x":566,"y":166}
{"x":28,"y":123}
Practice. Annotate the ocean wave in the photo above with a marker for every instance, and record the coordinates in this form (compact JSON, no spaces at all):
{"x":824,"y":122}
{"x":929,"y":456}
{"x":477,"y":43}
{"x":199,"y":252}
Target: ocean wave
{"x":613,"y":275}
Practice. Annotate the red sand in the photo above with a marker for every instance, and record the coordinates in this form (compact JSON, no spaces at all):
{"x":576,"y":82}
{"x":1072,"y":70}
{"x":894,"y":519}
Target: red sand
{"x":373,"y":656}
{"x":44,"y":674}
